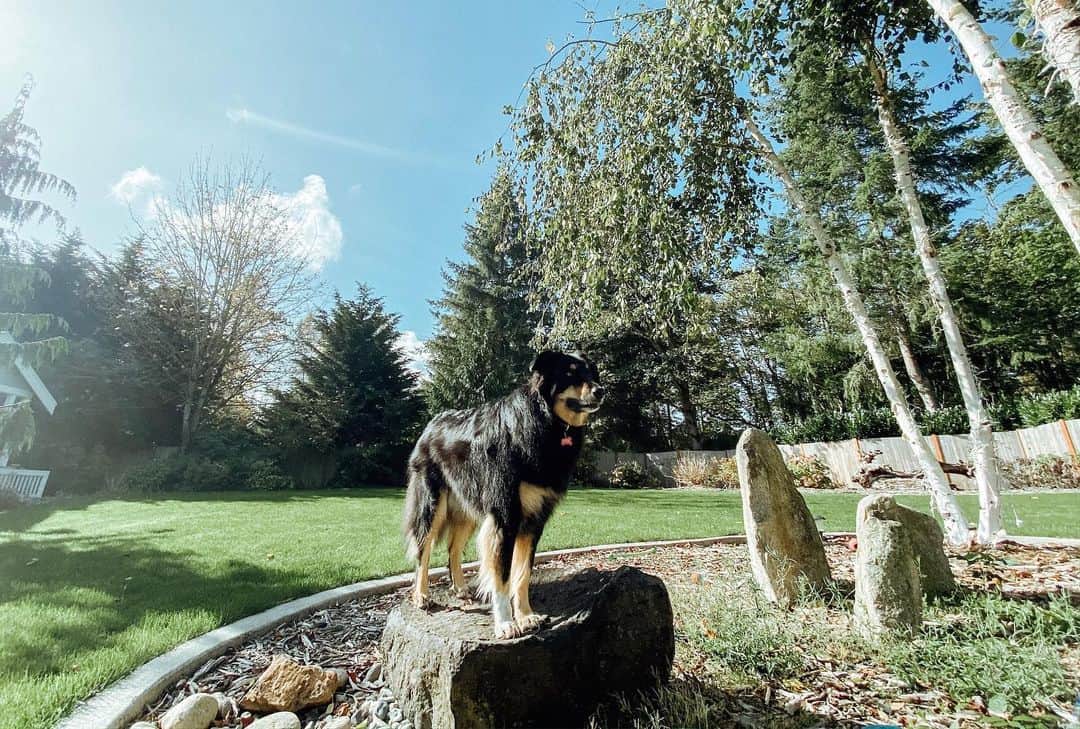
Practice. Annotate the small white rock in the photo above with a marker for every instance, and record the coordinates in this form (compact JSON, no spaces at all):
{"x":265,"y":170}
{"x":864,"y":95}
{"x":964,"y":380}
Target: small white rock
{"x":336,"y":722}
{"x":144,"y":725}
{"x":395,"y":715}
{"x":194,"y":712}
{"x":279,"y":720}
{"x":374,"y":673}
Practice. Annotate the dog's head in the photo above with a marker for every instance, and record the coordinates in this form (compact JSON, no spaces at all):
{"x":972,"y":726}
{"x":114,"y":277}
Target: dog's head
{"x":570,"y":383}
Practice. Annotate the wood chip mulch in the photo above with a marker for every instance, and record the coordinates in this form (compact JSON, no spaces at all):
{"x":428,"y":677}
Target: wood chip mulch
{"x":346,"y":636}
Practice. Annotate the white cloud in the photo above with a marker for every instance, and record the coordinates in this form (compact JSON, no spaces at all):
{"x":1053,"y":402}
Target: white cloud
{"x":415,"y":351}
{"x":134,"y":184}
{"x":373,"y":149}
{"x":317,"y":230}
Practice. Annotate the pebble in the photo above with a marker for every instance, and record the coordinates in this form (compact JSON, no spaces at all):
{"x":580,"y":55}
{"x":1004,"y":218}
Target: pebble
{"x":277,"y":720}
{"x":342,"y":676}
{"x":335,"y":722}
{"x":382,"y":710}
{"x":144,"y":725}
{"x":374,"y":673}
{"x":395,"y":715}
{"x":194,"y":712}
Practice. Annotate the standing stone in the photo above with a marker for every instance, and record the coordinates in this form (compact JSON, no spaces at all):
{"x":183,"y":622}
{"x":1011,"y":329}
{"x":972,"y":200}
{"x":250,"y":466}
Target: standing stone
{"x":888,"y":593}
{"x":927,"y":540}
{"x":288,"y":686}
{"x":607,"y":632}
{"x":194,"y":712}
{"x":786,"y":552}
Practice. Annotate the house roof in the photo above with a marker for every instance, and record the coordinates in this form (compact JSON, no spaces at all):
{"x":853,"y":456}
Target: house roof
{"x":30,"y":375}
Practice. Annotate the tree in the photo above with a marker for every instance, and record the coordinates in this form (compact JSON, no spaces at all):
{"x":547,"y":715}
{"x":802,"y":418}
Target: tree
{"x":353,"y":399}
{"x":656,"y":113}
{"x":227,"y":281}
{"x":1050,"y":174}
{"x":1059,"y":23}
{"x":21,"y":176}
{"x":481,"y":348}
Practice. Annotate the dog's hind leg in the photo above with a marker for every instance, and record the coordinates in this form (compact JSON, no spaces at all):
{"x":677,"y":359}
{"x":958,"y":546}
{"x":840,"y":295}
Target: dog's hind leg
{"x":520,"y":576}
{"x":421,"y":597}
{"x":496,"y":543}
{"x":461,"y":528}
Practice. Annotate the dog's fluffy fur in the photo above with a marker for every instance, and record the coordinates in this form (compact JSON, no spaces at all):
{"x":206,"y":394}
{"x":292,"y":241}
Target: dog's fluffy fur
{"x":503,"y":466}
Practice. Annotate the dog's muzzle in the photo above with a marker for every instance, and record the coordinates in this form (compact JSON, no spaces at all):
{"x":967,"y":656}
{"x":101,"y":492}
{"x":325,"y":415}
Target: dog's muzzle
{"x":587,"y":404}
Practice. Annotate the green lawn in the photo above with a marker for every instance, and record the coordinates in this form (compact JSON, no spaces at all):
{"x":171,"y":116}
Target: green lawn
{"x":89,"y":590}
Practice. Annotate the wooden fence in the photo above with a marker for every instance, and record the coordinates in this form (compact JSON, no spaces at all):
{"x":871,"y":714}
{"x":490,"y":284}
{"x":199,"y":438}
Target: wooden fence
{"x":844,"y":458}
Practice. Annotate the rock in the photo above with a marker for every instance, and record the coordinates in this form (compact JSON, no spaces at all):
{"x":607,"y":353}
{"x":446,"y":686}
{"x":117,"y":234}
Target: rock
{"x":228,"y":709}
{"x":342,"y":677}
{"x":374,"y":673}
{"x":143,"y":725}
{"x":608,"y":631}
{"x":287,"y":686}
{"x":888,"y":593}
{"x":786,"y":553}
{"x":194,"y":712}
{"x":335,"y":722}
{"x":278,"y":720}
{"x":926,"y":538}
{"x":381,"y":711}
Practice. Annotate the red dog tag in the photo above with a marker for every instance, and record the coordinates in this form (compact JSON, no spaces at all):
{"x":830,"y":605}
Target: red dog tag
{"x":567,"y":441}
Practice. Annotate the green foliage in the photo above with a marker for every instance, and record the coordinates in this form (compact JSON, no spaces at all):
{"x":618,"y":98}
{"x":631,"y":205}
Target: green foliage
{"x":966,"y":655}
{"x":17,"y":426}
{"x":481,"y":347}
{"x":353,"y":399}
{"x":1050,"y":406}
{"x":811,"y":472}
{"x":633,"y":475}
{"x":21,"y":176}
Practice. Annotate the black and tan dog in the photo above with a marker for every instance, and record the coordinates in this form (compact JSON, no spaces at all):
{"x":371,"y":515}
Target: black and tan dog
{"x":504,"y":466}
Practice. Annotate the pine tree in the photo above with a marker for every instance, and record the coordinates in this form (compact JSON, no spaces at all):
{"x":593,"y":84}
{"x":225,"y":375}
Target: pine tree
{"x":481,"y":347}
{"x":24,"y":335}
{"x":354,"y":398}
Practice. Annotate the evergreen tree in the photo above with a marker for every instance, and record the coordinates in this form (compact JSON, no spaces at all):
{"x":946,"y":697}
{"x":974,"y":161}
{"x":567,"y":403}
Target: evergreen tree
{"x":354,"y":399}
{"x":481,"y":347}
{"x":27,"y":337}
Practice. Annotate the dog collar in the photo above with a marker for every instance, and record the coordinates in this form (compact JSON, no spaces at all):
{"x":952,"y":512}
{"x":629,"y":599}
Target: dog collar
{"x":566,"y":441}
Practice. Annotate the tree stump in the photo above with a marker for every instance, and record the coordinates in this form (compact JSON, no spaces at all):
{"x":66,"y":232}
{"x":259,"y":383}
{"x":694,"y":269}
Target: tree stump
{"x":607,"y":632}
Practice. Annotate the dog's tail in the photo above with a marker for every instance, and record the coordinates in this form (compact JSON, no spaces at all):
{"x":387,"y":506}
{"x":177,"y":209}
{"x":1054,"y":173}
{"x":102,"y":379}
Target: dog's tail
{"x":421,"y":501}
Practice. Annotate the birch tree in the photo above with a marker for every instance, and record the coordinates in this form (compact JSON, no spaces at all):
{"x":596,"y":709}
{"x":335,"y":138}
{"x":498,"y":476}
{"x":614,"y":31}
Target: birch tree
{"x":984,"y":456}
{"x":938,"y":484}
{"x":1059,"y":23}
{"x":227,"y":282}
{"x":1044,"y":165}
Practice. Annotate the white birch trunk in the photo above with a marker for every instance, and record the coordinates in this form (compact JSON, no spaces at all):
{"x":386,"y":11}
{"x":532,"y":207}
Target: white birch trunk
{"x":1059,"y":22}
{"x":956,"y":531}
{"x":1050,"y":174}
{"x":983,"y":454}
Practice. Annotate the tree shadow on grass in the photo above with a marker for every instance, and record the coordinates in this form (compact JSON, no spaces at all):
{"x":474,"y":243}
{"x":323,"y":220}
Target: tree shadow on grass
{"x":60,"y":602}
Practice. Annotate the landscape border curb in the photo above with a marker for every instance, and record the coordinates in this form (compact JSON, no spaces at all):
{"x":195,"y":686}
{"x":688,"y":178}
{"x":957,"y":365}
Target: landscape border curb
{"x":120,"y":703}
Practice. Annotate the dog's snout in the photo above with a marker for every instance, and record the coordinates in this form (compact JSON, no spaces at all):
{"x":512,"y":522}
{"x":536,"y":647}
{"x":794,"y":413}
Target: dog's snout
{"x":598,"y":392}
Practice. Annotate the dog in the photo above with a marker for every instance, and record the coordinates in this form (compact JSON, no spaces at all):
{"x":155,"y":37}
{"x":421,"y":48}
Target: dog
{"x":504,"y":466}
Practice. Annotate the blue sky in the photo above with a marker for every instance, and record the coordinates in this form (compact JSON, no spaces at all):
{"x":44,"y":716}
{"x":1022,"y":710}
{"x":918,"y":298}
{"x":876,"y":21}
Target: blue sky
{"x":370,"y":114}
{"x":387,"y":103}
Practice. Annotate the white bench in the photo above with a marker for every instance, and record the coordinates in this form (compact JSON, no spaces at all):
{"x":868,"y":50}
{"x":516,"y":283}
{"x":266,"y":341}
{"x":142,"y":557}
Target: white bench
{"x":29,"y":485}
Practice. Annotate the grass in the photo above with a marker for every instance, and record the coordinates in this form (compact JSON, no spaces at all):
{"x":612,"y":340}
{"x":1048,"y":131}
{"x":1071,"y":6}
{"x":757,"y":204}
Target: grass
{"x":89,"y":590}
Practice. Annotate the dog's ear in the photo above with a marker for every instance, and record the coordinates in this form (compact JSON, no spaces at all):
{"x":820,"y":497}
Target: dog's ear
{"x":544,"y":362}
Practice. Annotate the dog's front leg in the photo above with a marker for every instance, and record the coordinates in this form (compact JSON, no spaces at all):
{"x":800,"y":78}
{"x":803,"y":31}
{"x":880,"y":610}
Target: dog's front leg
{"x":520,"y":577}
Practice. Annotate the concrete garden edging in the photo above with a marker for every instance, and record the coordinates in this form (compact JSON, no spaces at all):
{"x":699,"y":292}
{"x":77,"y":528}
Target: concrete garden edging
{"x":123,"y":701}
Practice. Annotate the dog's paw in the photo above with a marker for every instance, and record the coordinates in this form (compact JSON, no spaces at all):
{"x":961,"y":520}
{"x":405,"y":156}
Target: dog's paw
{"x":464,"y":593}
{"x":532,"y":621}
{"x":505,"y":631}
{"x":421,"y":602}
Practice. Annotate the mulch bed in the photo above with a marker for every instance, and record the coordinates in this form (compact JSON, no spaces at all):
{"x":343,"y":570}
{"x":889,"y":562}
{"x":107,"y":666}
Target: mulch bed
{"x":347,"y":636}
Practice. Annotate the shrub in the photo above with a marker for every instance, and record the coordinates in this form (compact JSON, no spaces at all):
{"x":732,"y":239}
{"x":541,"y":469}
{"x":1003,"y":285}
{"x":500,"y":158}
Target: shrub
{"x":1044,"y":472}
{"x":632,"y":475}
{"x":695,"y":471}
{"x":195,"y":472}
{"x":1050,"y":406}
{"x":811,"y":472}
